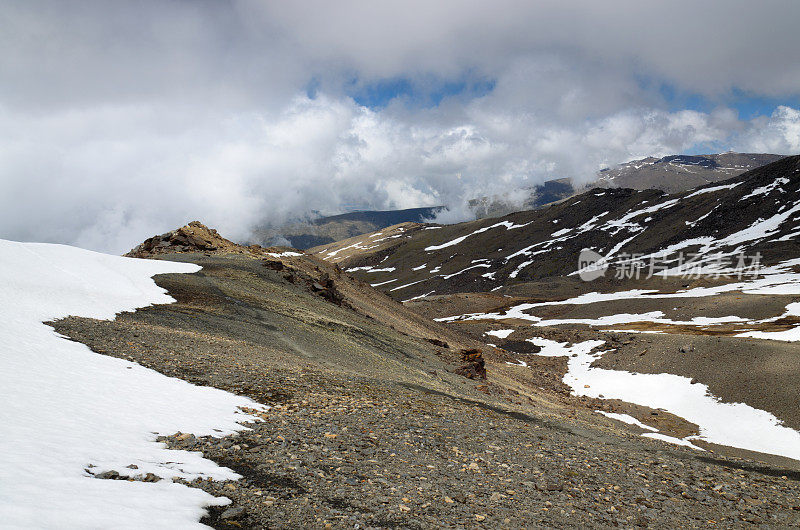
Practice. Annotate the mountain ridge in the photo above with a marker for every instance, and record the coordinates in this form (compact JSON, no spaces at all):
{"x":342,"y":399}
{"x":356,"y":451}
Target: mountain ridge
{"x":673,"y":173}
{"x":676,"y":173}
{"x":555,"y":235}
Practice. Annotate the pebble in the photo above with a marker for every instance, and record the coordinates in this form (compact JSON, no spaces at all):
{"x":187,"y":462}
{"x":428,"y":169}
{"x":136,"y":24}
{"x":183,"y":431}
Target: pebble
{"x":232,"y":513}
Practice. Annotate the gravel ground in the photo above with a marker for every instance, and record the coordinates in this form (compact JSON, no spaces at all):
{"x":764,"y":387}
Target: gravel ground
{"x":356,"y":454}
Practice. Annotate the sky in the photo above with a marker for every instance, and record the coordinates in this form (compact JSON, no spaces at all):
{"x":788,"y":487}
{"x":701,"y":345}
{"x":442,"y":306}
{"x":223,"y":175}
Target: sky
{"x":121,"y":120}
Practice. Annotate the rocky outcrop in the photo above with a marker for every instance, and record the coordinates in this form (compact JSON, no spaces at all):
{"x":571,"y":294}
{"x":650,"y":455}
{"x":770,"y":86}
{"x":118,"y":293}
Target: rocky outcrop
{"x":194,"y":237}
{"x":474,"y":366}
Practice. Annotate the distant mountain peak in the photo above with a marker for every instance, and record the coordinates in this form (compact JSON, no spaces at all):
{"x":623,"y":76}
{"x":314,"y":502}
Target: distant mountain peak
{"x":675,"y":173}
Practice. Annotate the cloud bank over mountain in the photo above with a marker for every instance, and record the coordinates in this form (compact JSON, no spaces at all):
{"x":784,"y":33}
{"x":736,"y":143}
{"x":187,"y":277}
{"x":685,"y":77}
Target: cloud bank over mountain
{"x":120,"y":121}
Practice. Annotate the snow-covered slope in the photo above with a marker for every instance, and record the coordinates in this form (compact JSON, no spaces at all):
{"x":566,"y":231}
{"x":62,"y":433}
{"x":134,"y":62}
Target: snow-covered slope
{"x":69,"y":414}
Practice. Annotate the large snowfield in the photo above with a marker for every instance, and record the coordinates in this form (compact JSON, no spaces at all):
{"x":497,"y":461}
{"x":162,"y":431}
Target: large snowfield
{"x":66,"y":408}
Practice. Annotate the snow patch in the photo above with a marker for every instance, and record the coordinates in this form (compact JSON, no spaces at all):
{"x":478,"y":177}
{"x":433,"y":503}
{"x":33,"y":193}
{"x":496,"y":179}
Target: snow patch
{"x":66,"y":408}
{"x":712,"y":189}
{"x":500,"y":333}
{"x":766,"y":190}
{"x":732,"y":424}
{"x":625,"y":418}
{"x":507,"y":224}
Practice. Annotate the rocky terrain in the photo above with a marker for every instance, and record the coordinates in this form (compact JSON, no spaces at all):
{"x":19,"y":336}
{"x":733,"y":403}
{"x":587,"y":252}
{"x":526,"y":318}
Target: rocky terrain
{"x":381,"y":417}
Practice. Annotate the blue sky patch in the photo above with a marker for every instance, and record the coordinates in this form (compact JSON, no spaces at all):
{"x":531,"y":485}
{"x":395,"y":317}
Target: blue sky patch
{"x":420,"y":93}
{"x":747,"y":105}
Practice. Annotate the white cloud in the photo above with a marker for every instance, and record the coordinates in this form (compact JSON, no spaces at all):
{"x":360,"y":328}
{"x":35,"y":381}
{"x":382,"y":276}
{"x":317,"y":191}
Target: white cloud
{"x":107,"y":177}
{"x":118,"y":121}
{"x":780,"y":133}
